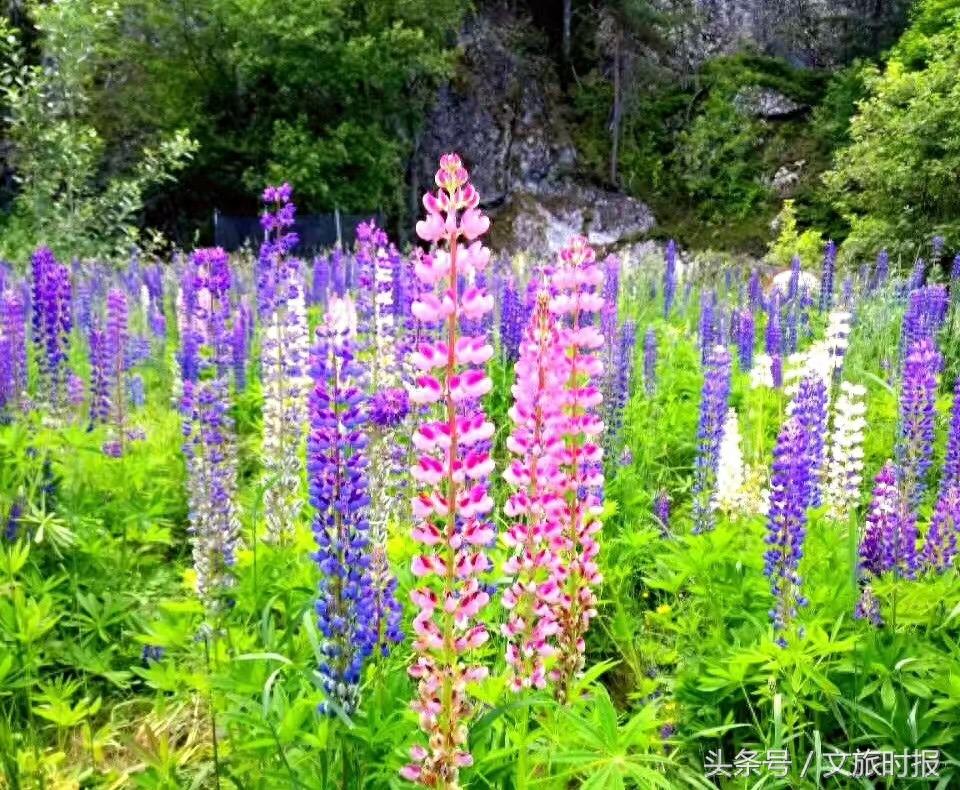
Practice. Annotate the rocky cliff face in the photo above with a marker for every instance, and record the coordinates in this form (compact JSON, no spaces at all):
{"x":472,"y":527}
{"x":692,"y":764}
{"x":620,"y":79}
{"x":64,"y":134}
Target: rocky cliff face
{"x":503,"y":114}
{"x":812,"y":33}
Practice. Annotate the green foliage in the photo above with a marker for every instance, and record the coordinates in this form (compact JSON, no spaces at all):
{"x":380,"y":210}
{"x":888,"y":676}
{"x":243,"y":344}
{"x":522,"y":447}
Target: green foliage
{"x":791,"y":241}
{"x":66,"y":197}
{"x":897,"y":177}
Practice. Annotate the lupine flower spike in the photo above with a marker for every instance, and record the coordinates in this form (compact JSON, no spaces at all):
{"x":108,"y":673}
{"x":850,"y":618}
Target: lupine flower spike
{"x":713,"y":412}
{"x":535,"y":503}
{"x":576,"y":298}
{"x":452,"y":504}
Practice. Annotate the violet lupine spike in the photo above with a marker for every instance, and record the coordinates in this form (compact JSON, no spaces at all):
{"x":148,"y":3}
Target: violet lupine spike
{"x":755,"y":291}
{"x":793,"y":284}
{"x":918,"y":275}
{"x":940,"y":544}
{"x":240,"y":336}
{"x":320,"y":282}
{"x":575,"y":300}
{"x":787,"y":525}
{"x":707,"y":327}
{"x":809,"y":408}
{"x":917,"y":417}
{"x":925,"y":314}
{"x":713,"y":411}
{"x":209,"y":440}
{"x":99,"y":374}
{"x":881,"y":272}
{"x":52,"y":323}
{"x":746,"y":332}
{"x":620,"y":386}
{"x":337,"y":472}
{"x":951,"y":463}
{"x":284,"y":351}
{"x":650,"y":362}
{"x":116,"y":337}
{"x":889,"y":541}
{"x":661,"y":510}
{"x":13,"y":350}
{"x":669,"y":278}
{"x":955,"y":271}
{"x":774,"y":340}
{"x":452,"y":505}
{"x":868,"y":607}
{"x":609,"y":316}
{"x":826,"y":276}
{"x":533,"y":505}
{"x":511,"y":321}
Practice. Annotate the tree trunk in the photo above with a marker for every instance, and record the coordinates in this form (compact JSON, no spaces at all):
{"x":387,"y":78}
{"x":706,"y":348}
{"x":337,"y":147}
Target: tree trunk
{"x":617,"y":109}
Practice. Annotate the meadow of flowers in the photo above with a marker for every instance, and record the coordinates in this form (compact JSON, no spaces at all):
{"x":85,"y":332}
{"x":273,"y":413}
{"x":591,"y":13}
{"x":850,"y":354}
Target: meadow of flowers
{"x":439,"y":518}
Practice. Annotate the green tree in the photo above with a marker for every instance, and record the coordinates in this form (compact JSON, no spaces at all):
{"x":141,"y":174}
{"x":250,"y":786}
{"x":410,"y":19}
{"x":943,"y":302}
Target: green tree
{"x":896,"y":181}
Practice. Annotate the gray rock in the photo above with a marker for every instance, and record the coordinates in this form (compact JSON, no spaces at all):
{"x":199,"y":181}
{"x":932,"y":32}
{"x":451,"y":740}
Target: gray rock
{"x":756,"y":101}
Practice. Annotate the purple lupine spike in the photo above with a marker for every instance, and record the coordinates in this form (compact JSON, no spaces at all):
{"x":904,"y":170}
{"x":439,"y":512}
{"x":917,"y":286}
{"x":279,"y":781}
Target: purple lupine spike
{"x":917,"y":416}
{"x":208,"y":430}
{"x":707,"y":327}
{"x":847,"y":290}
{"x":955,"y":270}
{"x":826,"y":276}
{"x":868,"y":607}
{"x":787,"y":524}
{"x":136,"y":392}
{"x":940,"y":545}
{"x":13,"y":350}
{"x":650,"y":362}
{"x":882,"y":272}
{"x":116,"y":337}
{"x":755,"y":290}
{"x":320,"y":282}
{"x":620,"y":388}
{"x":511,"y":322}
{"x":793,"y":284}
{"x":52,"y":323}
{"x":336,"y":467}
{"x":746,"y":333}
{"x":809,"y":407}
{"x":661,"y":510}
{"x":925,"y":314}
{"x":338,"y":272}
{"x":669,"y":278}
{"x":240,"y":345}
{"x":889,"y":541}
{"x":951,"y":463}
{"x":918,"y":275}
{"x":283,"y":359}
{"x":99,"y":375}
{"x":774,"y":340}
{"x":76,"y":390}
{"x":713,"y":412}
{"x":609,"y":313}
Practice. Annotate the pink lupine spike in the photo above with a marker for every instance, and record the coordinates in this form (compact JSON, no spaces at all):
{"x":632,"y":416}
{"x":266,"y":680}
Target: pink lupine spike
{"x":575,"y":283}
{"x":451,"y":502}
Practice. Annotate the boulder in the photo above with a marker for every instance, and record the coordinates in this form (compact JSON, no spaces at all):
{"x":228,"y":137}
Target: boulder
{"x":755,"y":101}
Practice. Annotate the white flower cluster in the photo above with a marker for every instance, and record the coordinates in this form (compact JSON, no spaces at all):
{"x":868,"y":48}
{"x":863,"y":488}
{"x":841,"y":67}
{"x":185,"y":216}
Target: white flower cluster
{"x":761,"y":374}
{"x":283,"y":360}
{"x":845,"y":460}
{"x":822,"y":359}
{"x":730,"y":465}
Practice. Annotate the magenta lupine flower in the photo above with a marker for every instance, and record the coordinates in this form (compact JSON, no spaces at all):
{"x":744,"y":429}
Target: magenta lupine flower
{"x":940,"y":545}
{"x":576,"y":299}
{"x":713,"y":412}
{"x":917,"y":415}
{"x":209,"y":440}
{"x":787,"y":524}
{"x":337,"y":466}
{"x":535,"y":503}
{"x":13,"y":350}
{"x":452,"y":505}
{"x":889,"y":541}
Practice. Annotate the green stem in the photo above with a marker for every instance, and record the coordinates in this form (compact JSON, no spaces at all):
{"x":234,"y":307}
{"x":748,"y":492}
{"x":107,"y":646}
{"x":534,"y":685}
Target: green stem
{"x":213,"y":716}
{"x":522,"y":766}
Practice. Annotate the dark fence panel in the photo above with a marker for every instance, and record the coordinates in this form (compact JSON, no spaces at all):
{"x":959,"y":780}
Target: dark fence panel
{"x":316,"y":230}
